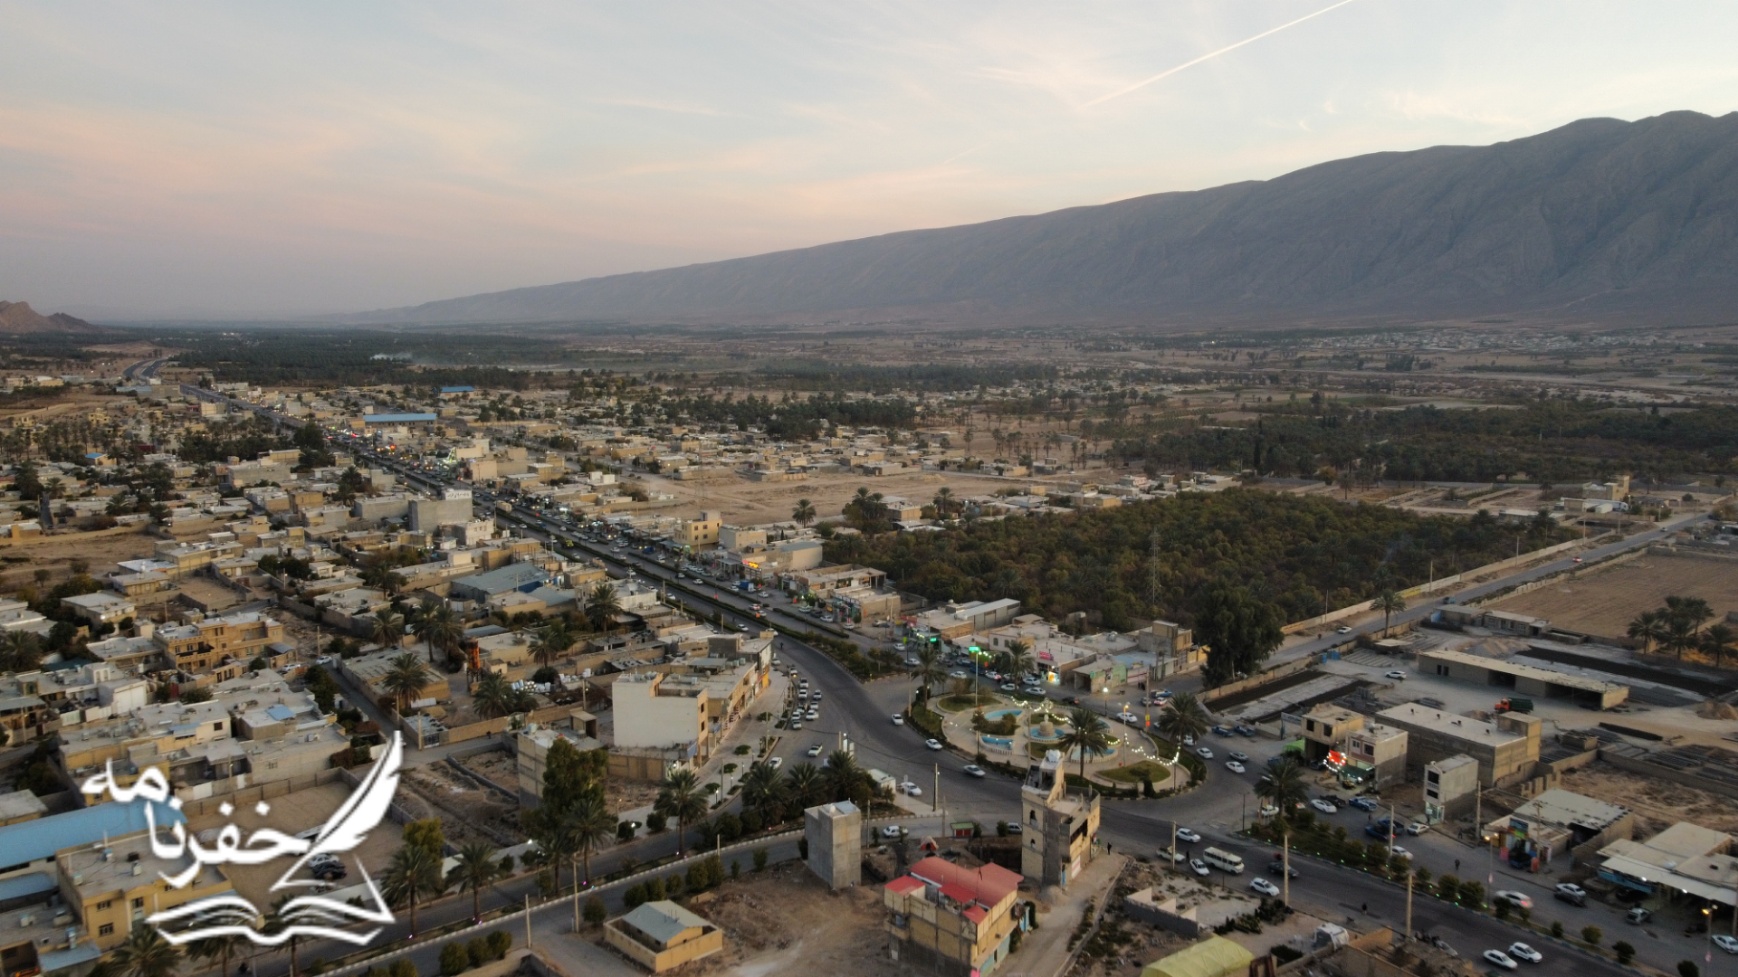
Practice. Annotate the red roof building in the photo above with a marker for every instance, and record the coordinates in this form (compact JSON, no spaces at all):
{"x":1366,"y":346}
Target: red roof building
{"x":954,"y":919}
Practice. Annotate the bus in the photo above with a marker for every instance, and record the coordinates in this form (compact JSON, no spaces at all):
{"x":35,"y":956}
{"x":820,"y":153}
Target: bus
{"x":1224,"y":861}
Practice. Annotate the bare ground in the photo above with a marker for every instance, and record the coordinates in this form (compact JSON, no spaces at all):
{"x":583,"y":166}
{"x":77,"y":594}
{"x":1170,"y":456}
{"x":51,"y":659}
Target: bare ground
{"x":1604,"y":601}
{"x":1659,"y":801}
{"x":462,"y":807}
{"x":785,"y":923}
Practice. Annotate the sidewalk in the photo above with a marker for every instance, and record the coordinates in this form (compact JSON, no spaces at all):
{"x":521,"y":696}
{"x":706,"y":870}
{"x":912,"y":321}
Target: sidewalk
{"x":1044,"y":952}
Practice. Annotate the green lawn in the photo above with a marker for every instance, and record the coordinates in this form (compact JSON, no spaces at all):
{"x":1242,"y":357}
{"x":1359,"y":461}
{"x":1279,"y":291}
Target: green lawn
{"x":1134,"y":773}
{"x":960,"y":703}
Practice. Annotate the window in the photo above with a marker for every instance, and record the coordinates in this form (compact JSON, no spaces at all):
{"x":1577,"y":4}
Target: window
{"x":217,"y":727}
{"x":139,"y":903}
{"x":107,"y":929}
{"x":106,"y":903}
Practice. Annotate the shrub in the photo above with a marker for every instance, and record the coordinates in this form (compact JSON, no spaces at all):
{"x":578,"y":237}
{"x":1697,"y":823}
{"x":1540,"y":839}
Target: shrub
{"x":1688,"y":968}
{"x":1625,"y":952}
{"x":760,"y":857}
{"x":507,"y":865}
{"x":1591,"y":935}
{"x":402,"y":968}
{"x":751,"y":822}
{"x":656,"y":822}
{"x":499,"y":942}
{"x":743,"y":750}
{"x":636,"y":895}
{"x":1556,"y":929}
{"x":675,"y":885}
{"x":595,"y":911}
{"x":1501,"y":909}
{"x":454,"y":959}
{"x":477,"y":949}
{"x":735,"y":870}
{"x":1001,"y":829}
{"x":624,"y":830}
{"x":803,"y":848}
{"x":546,"y":883}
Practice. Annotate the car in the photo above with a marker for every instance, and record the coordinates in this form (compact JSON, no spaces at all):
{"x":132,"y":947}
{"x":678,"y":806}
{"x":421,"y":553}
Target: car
{"x":1239,"y":756}
{"x":891,"y":831}
{"x":1278,"y":867}
{"x":815,"y":750}
{"x":933,"y":744}
{"x":1199,"y":867}
{"x":1008,"y":687}
{"x":911,"y":788}
{"x":1395,"y":851}
{"x":957,"y":674}
{"x":1188,"y":741}
{"x":330,"y":873}
{"x":1727,"y":943}
{"x":1203,"y":752}
{"x":1129,"y":718}
{"x":1168,"y":855}
{"x":1266,"y":888}
{"x":1269,"y":810}
{"x":1189,"y":835}
{"x":1343,"y":629}
{"x":1235,"y":767}
{"x":794,"y":724}
{"x":1222,"y":731}
{"x":1323,"y":806}
{"x":898,"y":719}
{"x":1398,"y":675}
{"x":1638,"y":915}
{"x":1417,"y":828}
{"x":1242,"y":730}
{"x":973,"y":770}
{"x":1501,"y":959}
{"x":1364,"y":803}
{"x":776,"y":762}
{"x":1570,"y":893}
{"x":1521,"y":951}
{"x":813,"y":715}
{"x":819,"y":695}
{"x":1518,"y":899}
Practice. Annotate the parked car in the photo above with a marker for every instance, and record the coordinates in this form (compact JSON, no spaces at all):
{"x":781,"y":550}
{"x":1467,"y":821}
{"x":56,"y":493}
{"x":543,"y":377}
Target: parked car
{"x":1242,"y":730}
{"x":1269,"y":810}
{"x":815,"y":750}
{"x":1638,"y":915}
{"x":890,"y":831}
{"x":1727,"y":943}
{"x":1222,"y":731}
{"x":776,"y":762}
{"x":1168,"y":855}
{"x":911,"y":788}
{"x":1501,"y":959}
{"x":1571,"y":893}
{"x":1365,"y":803}
{"x":1323,"y":806}
{"x":1199,"y":867}
{"x":1518,"y":899}
{"x":1189,"y":835}
{"x":1521,"y":951}
{"x":1417,"y":828}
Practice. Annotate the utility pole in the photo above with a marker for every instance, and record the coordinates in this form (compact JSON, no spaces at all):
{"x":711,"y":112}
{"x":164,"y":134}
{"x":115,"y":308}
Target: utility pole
{"x":1410,"y":875}
{"x":1174,"y":846}
{"x":1285,"y":869}
{"x":527,"y":920}
{"x":937,"y":804}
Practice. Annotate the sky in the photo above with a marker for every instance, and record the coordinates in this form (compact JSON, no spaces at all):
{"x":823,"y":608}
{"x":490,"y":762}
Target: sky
{"x":223,"y":160}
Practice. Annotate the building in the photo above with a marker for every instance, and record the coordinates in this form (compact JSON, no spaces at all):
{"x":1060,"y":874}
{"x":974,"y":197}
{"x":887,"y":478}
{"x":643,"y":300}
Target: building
{"x":453,"y":508}
{"x":656,"y":709}
{"x":1685,"y":860}
{"x":835,"y":836}
{"x":1504,"y":748}
{"x":100,"y":607}
{"x":114,"y":885}
{"x":1060,"y":829}
{"x":1326,"y":726}
{"x":702,"y":532}
{"x":532,"y":751}
{"x":1527,"y":680}
{"x":1554,"y":823}
{"x":1375,"y":754}
{"x":662,"y":935}
{"x":956,"y":620}
{"x":1451,"y":788}
{"x":201,"y":646}
{"x":1215,"y":956}
{"x":953,"y":920}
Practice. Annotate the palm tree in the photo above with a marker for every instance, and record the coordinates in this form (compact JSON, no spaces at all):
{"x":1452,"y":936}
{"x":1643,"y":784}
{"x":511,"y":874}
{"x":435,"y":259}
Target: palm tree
{"x":413,"y":872}
{"x":590,"y":825}
{"x":1680,"y":634}
{"x":276,"y":922}
{"x":406,"y":676}
{"x":764,"y":792}
{"x":845,"y":780}
{"x":602,"y":606}
{"x":146,"y":954}
{"x":1087,"y":732}
{"x":388,"y":628}
{"x":804,"y":785}
{"x":1018,"y":659}
{"x":440,"y":626}
{"x":493,"y":696}
{"x":476,"y":870}
{"x":944,"y":502}
{"x":929,"y":668}
{"x":1649,"y":627}
{"x":1390,"y":604}
{"x":679,"y":797}
{"x":1282,"y":786}
{"x":552,"y":643}
{"x":20,"y":652}
{"x":1717,"y":640}
{"x":1185,"y":717}
{"x":216,"y":948}
{"x":804,"y":513}
{"x":1695,"y":610}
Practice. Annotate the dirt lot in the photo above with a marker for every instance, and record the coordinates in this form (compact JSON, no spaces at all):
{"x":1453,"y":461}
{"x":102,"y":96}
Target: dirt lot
{"x":1604,"y":601}
{"x":469,"y":814}
{"x":787,"y":923}
{"x":56,"y":554}
{"x":1660,"y":801}
{"x":753,"y":503}
{"x":295,"y":812}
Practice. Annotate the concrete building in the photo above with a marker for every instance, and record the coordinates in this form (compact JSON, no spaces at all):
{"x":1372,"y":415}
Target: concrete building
{"x":531,"y":751}
{"x":835,"y":836}
{"x":1552,"y":824}
{"x":952,"y":920}
{"x":1326,"y":726}
{"x":1060,"y":829}
{"x":955,"y":620}
{"x":1375,"y":754}
{"x":662,"y":935}
{"x":1684,"y":861}
{"x":1450,"y":788}
{"x":1528,"y":680}
{"x":1503,"y":748}
{"x":1215,"y":956}
{"x":702,"y":532}
{"x":201,"y":646}
{"x":100,"y":607}
{"x":655,"y":709}
{"x":453,"y":508}
{"x":114,"y":886}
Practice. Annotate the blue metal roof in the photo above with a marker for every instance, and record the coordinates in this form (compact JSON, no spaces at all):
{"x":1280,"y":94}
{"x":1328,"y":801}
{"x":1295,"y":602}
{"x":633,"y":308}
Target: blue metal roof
{"x":20,"y":886}
{"x":281,"y":713}
{"x":395,"y":418}
{"x":458,"y":390}
{"x":30,"y":841}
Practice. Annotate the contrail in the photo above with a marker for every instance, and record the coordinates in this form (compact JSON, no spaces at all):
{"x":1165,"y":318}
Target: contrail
{"x":1211,"y":55}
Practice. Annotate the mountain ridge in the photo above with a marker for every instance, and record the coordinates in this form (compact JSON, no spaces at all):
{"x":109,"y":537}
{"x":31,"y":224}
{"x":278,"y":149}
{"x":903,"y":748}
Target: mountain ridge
{"x":19,"y":319}
{"x":1596,"y":218}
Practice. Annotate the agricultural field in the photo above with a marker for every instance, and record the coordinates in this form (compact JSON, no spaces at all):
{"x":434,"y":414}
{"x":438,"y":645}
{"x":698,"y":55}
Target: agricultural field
{"x":1604,"y":600}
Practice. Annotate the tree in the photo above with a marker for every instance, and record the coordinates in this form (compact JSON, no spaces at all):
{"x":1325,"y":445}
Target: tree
{"x":1087,"y":732}
{"x":146,"y":954}
{"x":1648,"y":627}
{"x":476,"y":870}
{"x":1718,"y":640}
{"x":1185,"y":718}
{"x":493,"y":696}
{"x":1624,"y":950}
{"x":591,"y":824}
{"x":680,"y":797}
{"x":945,"y":503}
{"x":413,"y":873}
{"x":804,"y":786}
{"x":1688,"y":968}
{"x":845,"y":780}
{"x":1282,"y":785}
{"x":217,"y":948}
{"x":804,"y":513}
{"x":552,"y":643}
{"x":1238,"y":630}
{"x":1018,"y":658}
{"x":1389,"y":603}
{"x":929,"y":669}
{"x":388,"y":629}
{"x":440,"y":627}
{"x":764,"y":792}
{"x":595,"y":911}
{"x":405,"y":677}
{"x":1591,"y":935}
{"x":602,"y":606}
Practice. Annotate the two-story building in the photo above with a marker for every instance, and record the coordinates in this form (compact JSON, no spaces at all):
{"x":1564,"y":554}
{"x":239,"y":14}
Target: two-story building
{"x":952,"y":920}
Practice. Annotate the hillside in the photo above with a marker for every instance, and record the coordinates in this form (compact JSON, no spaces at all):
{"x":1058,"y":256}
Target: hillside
{"x":1597,"y":218}
{"x":19,"y":319}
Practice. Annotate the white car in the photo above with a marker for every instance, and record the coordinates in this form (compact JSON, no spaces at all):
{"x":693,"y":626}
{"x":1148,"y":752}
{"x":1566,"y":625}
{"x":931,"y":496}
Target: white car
{"x":794,"y":724}
{"x":898,"y":719}
{"x":1199,"y":867}
{"x":1189,"y":835}
{"x":1269,"y":810}
{"x":1520,"y":899}
{"x":1417,"y":828}
{"x":1323,"y":806}
{"x":813,"y":715}
{"x":1343,"y":629}
{"x":815,"y":750}
{"x":1396,"y":851}
{"x":1167,"y":855}
{"x":1501,"y":959}
{"x":1521,"y":951}
{"x":973,"y":770}
{"x":776,"y":762}
{"x":1264,"y":887}
{"x":1397,"y":675}
{"x":1235,"y":767}
{"x":1726,"y":943}
{"x":910,"y":788}
{"x":1203,"y":752}
{"x":890,"y":831}
{"x":1128,"y":718}
{"x":932,"y":744}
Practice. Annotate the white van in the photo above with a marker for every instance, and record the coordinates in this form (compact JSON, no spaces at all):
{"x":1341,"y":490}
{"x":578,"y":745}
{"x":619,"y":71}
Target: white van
{"x":1224,"y":861}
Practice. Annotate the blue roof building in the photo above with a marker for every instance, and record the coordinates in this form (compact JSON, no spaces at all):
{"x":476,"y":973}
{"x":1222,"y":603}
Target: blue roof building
{"x":28,"y":842}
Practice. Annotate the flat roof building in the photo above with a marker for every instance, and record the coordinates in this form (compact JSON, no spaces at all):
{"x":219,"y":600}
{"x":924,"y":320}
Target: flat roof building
{"x":1529,"y":680}
{"x":1503,"y":748}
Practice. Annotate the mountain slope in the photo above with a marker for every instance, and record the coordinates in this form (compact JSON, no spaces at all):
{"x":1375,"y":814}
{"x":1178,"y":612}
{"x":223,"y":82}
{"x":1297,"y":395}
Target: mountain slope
{"x":19,"y":319}
{"x":1599,"y":217}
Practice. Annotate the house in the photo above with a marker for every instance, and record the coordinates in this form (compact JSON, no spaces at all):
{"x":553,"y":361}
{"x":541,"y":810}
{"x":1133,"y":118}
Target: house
{"x":662,"y":935}
{"x":951,"y":919}
{"x":1685,"y":859}
{"x":1060,"y":827}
